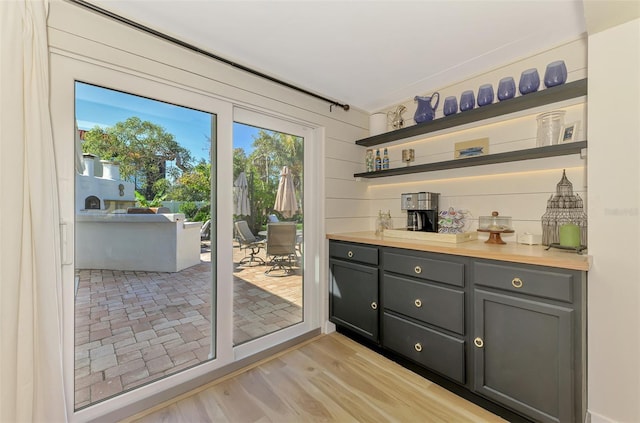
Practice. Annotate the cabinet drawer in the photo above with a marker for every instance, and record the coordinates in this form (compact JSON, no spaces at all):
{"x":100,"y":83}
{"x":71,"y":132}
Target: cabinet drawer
{"x":420,"y":266}
{"x":436,"y":305}
{"x":434,"y":350}
{"x":540,"y":283}
{"x":354,"y":252}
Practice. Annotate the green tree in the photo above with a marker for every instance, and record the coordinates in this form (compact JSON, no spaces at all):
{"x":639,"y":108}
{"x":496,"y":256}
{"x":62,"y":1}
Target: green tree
{"x":193,"y":185}
{"x":142,"y":149}
{"x":272,"y":151}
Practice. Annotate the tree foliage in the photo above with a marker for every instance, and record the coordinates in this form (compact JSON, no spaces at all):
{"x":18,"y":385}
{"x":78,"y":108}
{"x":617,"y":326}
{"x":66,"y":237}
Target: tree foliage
{"x":193,"y":185}
{"x":141,"y":148}
{"x":272,"y":151}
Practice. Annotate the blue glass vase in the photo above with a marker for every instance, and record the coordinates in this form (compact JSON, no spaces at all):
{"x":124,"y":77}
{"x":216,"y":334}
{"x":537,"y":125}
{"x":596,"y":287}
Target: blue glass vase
{"x":529,"y":81}
{"x":467,"y":101}
{"x":506,"y":88}
{"x":485,"y":95}
{"x":555,"y":74}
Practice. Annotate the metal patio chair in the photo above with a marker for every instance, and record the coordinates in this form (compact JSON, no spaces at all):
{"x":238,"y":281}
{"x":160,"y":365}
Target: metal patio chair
{"x":248,"y":241}
{"x":281,"y":246}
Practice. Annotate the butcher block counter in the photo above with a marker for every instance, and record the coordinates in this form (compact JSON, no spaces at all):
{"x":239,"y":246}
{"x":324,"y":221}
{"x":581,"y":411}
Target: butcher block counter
{"x":511,"y":252}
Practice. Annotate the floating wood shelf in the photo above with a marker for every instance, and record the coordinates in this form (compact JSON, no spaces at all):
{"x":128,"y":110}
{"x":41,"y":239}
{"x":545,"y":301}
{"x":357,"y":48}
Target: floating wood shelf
{"x":516,"y":104}
{"x":511,"y":156}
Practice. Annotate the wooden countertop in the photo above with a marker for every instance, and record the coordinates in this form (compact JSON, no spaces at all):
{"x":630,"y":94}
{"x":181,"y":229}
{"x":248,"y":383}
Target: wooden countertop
{"x":513,"y":252}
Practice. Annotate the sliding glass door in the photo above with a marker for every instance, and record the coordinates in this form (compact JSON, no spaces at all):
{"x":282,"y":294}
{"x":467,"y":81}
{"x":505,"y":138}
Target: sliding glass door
{"x":143,"y":280}
{"x":268,"y":221}
{"x":154,"y":295}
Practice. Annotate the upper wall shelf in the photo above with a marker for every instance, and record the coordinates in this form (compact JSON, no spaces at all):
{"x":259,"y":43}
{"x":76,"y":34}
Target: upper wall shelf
{"x":510,"y":156}
{"x":516,"y":104}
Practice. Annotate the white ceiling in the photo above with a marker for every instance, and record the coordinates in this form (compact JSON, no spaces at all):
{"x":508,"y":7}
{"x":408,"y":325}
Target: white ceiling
{"x":368,"y":54}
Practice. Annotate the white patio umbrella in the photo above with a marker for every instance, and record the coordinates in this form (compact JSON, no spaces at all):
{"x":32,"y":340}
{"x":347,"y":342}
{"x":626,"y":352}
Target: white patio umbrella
{"x":286,"y":197}
{"x":241,"y":204}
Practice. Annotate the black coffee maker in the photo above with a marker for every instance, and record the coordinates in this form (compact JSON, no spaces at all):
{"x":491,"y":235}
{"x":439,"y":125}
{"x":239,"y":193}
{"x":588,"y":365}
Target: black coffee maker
{"x":422,"y":211}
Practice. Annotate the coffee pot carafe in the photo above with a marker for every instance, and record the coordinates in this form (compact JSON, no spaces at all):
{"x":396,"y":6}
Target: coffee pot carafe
{"x":422,"y":211}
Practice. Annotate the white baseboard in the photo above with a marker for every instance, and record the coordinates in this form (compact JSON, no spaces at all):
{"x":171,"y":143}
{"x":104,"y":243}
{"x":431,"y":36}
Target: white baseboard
{"x":593,"y":417}
{"x":329,"y":327}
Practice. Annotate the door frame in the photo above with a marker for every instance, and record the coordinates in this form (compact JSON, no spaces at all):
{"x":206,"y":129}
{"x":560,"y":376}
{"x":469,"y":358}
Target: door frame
{"x":66,"y":68}
{"x":313,"y":228}
{"x":65,"y":71}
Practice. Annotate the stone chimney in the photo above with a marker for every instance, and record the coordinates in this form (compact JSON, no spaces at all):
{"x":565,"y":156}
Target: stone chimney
{"x":110,"y":170}
{"x":87,"y":160}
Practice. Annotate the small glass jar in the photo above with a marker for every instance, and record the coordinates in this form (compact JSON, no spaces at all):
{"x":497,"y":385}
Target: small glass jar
{"x":388,"y":223}
{"x":549,"y":127}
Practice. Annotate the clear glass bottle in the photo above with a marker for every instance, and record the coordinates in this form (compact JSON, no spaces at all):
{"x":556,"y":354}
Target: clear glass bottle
{"x":388,"y":222}
{"x":385,"y":159}
{"x":379,"y":223}
{"x":378,"y":160}
{"x":369,"y":160}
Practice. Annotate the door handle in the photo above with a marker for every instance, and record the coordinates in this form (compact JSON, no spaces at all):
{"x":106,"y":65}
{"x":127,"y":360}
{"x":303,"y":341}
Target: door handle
{"x":66,"y":256}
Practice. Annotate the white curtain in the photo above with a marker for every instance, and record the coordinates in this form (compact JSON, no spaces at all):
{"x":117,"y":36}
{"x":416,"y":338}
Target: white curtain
{"x":31,"y":376}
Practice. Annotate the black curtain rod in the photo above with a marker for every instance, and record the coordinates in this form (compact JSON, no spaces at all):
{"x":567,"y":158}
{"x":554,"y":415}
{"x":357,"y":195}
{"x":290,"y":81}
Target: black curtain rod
{"x":191,"y":47}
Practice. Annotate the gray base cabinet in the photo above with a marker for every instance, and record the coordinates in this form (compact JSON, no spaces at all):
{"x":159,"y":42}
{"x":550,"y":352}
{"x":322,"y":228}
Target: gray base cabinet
{"x":528,"y":339}
{"x":508,"y":332}
{"x":353,"y":288}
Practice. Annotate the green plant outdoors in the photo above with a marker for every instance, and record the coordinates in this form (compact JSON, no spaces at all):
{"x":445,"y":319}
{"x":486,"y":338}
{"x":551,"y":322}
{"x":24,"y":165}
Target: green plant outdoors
{"x":155,"y":202}
{"x":194,"y":213}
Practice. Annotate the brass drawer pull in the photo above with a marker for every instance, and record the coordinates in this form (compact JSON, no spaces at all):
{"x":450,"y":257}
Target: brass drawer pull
{"x":350,"y":254}
{"x":418,"y":302}
{"x":417,"y":269}
{"x":479,"y":342}
{"x":418,"y":346}
{"x":516,"y":282}
{"x":374,"y":305}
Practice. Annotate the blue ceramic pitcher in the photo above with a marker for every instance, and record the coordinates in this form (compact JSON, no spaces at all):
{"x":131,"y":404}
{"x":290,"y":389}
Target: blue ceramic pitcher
{"x":425,"y":111}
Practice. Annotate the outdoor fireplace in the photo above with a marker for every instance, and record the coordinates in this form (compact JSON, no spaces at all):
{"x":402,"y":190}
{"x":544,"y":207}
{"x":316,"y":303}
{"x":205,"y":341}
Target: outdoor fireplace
{"x":92,"y":202}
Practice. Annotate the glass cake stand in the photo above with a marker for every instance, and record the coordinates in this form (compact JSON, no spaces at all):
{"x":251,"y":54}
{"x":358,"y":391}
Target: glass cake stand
{"x":494,"y":235}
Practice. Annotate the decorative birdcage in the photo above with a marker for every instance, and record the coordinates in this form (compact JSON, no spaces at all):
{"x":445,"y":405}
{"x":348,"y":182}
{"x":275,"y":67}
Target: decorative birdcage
{"x":563,"y":207}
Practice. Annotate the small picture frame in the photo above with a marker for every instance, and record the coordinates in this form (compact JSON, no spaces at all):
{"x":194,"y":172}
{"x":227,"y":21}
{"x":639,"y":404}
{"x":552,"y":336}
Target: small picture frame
{"x":568,"y":132}
{"x":478,"y":147}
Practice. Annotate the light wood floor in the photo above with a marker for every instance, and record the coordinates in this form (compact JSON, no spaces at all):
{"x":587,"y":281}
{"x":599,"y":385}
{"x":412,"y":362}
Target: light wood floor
{"x":330,"y":378}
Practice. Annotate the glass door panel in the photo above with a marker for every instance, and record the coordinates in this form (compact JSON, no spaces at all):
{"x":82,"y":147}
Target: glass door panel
{"x":268,"y":222}
{"x":143,"y":278}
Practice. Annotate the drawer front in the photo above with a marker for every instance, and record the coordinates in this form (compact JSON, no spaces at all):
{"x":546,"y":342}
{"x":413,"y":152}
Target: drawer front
{"x":540,"y":283}
{"x":436,"y":305}
{"x":434,"y":350}
{"x":354,"y":252}
{"x":422,"y":267}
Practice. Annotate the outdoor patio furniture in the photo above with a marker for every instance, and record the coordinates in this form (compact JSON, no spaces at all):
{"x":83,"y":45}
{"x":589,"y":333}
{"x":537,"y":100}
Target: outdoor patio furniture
{"x":205,"y":231}
{"x":248,"y":241}
{"x":273,"y":218}
{"x":281,"y":246}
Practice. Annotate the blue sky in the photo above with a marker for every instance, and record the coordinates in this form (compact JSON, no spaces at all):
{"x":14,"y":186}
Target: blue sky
{"x":191,"y":128}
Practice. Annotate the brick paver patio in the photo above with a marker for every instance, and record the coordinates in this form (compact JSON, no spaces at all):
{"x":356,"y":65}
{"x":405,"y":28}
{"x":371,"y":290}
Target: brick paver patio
{"x":135,"y":327}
